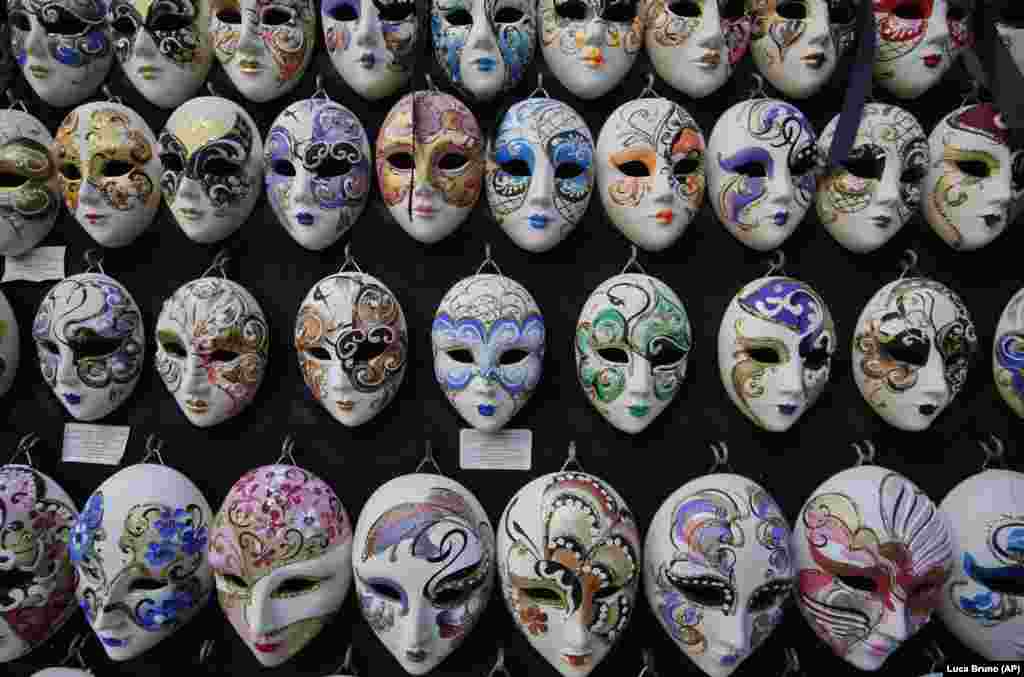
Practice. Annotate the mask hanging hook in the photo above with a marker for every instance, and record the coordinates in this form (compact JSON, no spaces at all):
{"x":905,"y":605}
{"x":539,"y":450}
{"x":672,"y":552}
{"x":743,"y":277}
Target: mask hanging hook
{"x":75,"y":653}
{"x":24,"y":448}
{"x":346,"y":667}
{"x":973,"y":95}
{"x":211,"y":89}
{"x":16,"y":102}
{"x":865,"y":452}
{"x":792,"y":663}
{"x":539,"y":89}
{"x":93,"y":261}
{"x":220,"y":263}
{"x":778,"y":263}
{"x":499,"y":664}
{"x":648,"y":89}
{"x":938,"y":657}
{"x":995,"y":452}
{"x":320,"y":92}
{"x":287,"y":451}
{"x":430,"y":83}
{"x":572,"y":459}
{"x":488,"y":260}
{"x":111,"y":97}
{"x":206,"y":651}
{"x":631,"y":262}
{"x":153,"y":446}
{"x":721,"y":452}
{"x":428,"y":459}
{"x":908,"y":264}
{"x":757,"y":92}
{"x":350,"y":260}
{"x":648,"y":669}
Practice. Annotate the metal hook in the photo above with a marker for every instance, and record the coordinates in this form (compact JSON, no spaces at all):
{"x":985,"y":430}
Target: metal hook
{"x":428,"y":459}
{"x":220,"y":262}
{"x":105,"y":88}
{"x":792,"y":663}
{"x":25,"y":445}
{"x":287,"y":451}
{"x":206,"y":650}
{"x":153,"y":446}
{"x":540,"y":88}
{"x":320,"y":92}
{"x":938,"y":657}
{"x":346,"y":667}
{"x":973,"y":95}
{"x":631,"y":262}
{"x":489,"y":260}
{"x":995,"y":452}
{"x":75,"y":652}
{"x":649,"y":87}
{"x":350,"y":260}
{"x":758,"y":91}
{"x":572,"y":458}
{"x":15,"y":102}
{"x":430,"y":83}
{"x":211,"y":89}
{"x":499,"y":664}
{"x":865,"y":452}
{"x":721,"y":452}
{"x":908,"y":263}
{"x":778,"y":263}
{"x":648,"y":668}
{"x":93,"y":261}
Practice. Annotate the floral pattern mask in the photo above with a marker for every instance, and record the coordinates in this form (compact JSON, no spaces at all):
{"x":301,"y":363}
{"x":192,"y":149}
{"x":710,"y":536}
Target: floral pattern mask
{"x":30,"y":197}
{"x":371,"y":43}
{"x":1008,"y":354}
{"x":10,"y":349}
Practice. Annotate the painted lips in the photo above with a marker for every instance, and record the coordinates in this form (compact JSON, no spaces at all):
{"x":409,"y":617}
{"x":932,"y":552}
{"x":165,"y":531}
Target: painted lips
{"x":576,"y":660}
{"x":815,"y":61}
{"x":250,"y":67}
{"x":148,"y":72}
{"x":267,"y":647}
{"x":639,"y":410}
{"x":304,"y":218}
{"x":928,"y":409}
{"x":94,"y":218}
{"x":486,"y":64}
{"x":40,"y":72}
{"x":486,"y":409}
{"x":197,"y":406}
{"x":367,"y":60}
{"x":787,"y":409}
{"x":72,"y":398}
{"x":710,"y":60}
{"x":346,"y":405}
{"x":992,"y":220}
{"x":933,"y":60}
{"x":538,"y":221}
{"x":664,"y":216}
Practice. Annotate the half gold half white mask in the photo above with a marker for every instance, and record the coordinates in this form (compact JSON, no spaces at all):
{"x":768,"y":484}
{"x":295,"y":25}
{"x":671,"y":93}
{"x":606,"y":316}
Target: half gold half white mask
{"x":1008,"y":354}
{"x":30,"y":201}
{"x":371,"y":43}
{"x":10,"y":350}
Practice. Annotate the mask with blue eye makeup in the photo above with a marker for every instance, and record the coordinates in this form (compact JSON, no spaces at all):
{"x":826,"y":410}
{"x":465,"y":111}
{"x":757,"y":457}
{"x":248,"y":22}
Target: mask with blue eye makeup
{"x":371,"y":43}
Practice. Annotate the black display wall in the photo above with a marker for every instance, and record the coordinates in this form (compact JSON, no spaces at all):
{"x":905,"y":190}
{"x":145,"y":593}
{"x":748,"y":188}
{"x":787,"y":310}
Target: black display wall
{"x":706,"y":267}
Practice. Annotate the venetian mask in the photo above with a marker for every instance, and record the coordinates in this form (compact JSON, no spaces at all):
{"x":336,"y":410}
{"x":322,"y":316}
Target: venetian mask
{"x":61,"y":46}
{"x":212,"y":345}
{"x":264,"y":45}
{"x":719,"y":569}
{"x":424,"y":567}
{"x":163,"y":47}
{"x":281,"y":553}
{"x":872,"y":554}
{"x":540,"y":172}
{"x":864,"y":203}
{"x":569,"y":561}
{"x":109,"y":171}
{"x":38,"y":581}
{"x":91,"y":345}
{"x":10,"y":351}
{"x":974,"y":178}
{"x":917,"y":43}
{"x":30,"y":196}
{"x":912,"y":347}
{"x":430,"y":164}
{"x":371,"y":43}
{"x":762,"y":166}
{"x":212,"y":161}
{"x":317,"y":169}
{"x":1008,"y":354}
{"x":632,"y":345}
{"x":1010,"y":28}
{"x":352,"y":344}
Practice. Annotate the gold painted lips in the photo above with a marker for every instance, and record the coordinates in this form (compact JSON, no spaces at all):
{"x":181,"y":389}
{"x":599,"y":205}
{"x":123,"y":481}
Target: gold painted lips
{"x":149,"y":72}
{"x":39,"y":72}
{"x":250,"y":66}
{"x":197,"y":406}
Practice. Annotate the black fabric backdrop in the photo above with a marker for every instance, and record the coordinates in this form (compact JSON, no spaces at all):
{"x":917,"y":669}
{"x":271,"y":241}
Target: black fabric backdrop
{"x":706,"y":267}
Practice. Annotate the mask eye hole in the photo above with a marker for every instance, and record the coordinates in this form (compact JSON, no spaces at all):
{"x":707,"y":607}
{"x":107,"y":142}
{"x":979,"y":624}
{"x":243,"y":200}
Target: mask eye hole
{"x":276,"y":16}
{"x":219,"y":167}
{"x":223,"y":355}
{"x":459,"y":17}
{"x":685,"y":8}
{"x":816,"y":359}
{"x":173,"y":347}
{"x":912,"y":175}
{"x":732,"y":10}
{"x":283,"y":167}
{"x":65,"y":23}
{"x":172,"y":162}
{"x":508,"y":15}
{"x":333,"y":167}
{"x":95,"y":346}
{"x":229,"y":16}
{"x":634,"y":168}
{"x":542,"y":596}
{"x":805,"y":161}
{"x":168,"y":22}
{"x":145,"y":585}
{"x":768,"y":596}
{"x":956,"y":14}
{"x":293,"y":587}
{"x":460,"y":355}
{"x":124,"y":25}
{"x":450,"y":598}
{"x":344,"y":11}
{"x":908,"y":347}
{"x":8,"y":180}
{"x":861,"y":583}
{"x":614,"y":355}
{"x":708,"y":592}
{"x":236,"y":581}
{"x":793,"y":11}
{"x":319,"y":353}
{"x":1012,"y":14}
{"x":21,"y":21}
{"x":568,"y":170}
{"x":667,"y":355}
{"x":49,"y":346}
{"x":396,"y":11}
{"x":512,"y":356}
{"x":975,"y":168}
{"x":910,"y":9}
{"x":516,"y":168}
{"x":573,"y":10}
{"x":452,"y":161}
{"x":620,"y":12}
{"x":752,"y":170}
{"x":70,"y":172}
{"x":403,"y":162}
{"x":387,"y":591}
{"x":685,"y":167}
{"x":367,"y":351}
{"x":841,"y":12}
{"x":865,"y":165}
{"x":115,"y":168}
{"x":764,"y":355}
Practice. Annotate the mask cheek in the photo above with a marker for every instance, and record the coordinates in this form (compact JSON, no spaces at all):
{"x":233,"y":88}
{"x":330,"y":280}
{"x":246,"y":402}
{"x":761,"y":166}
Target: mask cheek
{"x":460,"y":190}
{"x":667,"y":381}
{"x":400,"y":40}
{"x":126,"y":193}
{"x":288,"y":46}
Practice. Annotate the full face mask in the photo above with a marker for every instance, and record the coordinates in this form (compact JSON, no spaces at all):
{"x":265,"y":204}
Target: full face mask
{"x":1010,"y":28}
{"x":29,"y":204}
{"x":872,"y":553}
{"x":775,"y":349}
{"x":912,"y":348}
{"x":371,"y":43}
{"x":61,"y":46}
{"x":864,"y":203}
{"x":430,"y":172}
{"x":36,"y":516}
{"x":10,"y":351}
{"x":91,"y":346}
{"x":718,"y":569}
{"x":569,"y":558}
{"x":540,"y":172}
{"x":109,"y":171}
{"x":762,"y":166}
{"x":212,"y":349}
{"x":212,"y":161}
{"x":280,"y":549}
{"x":264,"y":45}
{"x":650,"y":171}
{"x":353,"y":345}
{"x":1008,"y":354}
{"x":317,"y":170}
{"x":424,"y":567}
{"x":974,"y":178}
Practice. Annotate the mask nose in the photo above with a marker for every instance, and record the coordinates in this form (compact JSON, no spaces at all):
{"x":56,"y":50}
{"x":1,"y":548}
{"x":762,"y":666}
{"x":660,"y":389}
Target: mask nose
{"x":195,"y":376}
{"x":542,"y":185}
{"x":480,"y":36}
{"x":888,"y":192}
{"x":338,"y":381}
{"x":593,"y":34}
{"x":486,"y":382}
{"x":938,"y":27}
{"x":109,"y":618}
{"x":790,"y":379}
{"x":894,"y":625}
{"x":416,"y":633}
{"x":662,"y":191}
{"x":577,"y":637}
{"x":733,"y":638}
{"x":35,"y":42}
{"x":639,"y":378}
{"x":931,"y":379}
{"x":250,"y":42}
{"x":303,"y":187}
{"x":145,"y":47}
{"x":88,"y":194}
{"x":998,"y":192}
{"x":67,"y":372}
{"x":367,"y":29}
{"x":188,"y":191}
{"x":260,"y":616}
{"x":781,"y":186}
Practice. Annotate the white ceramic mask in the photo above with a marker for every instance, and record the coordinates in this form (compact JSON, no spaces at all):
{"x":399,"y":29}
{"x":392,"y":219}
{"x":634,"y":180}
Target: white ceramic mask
{"x":864,"y":203}
{"x":10,"y":350}
{"x":30,"y":202}
{"x":139,"y":546}
{"x":281,"y":552}
{"x":569,"y":558}
{"x":1008,"y":354}
{"x":61,"y":46}
{"x":212,"y":348}
{"x":264,"y":45}
{"x":540,"y":172}
{"x":632,"y":346}
{"x":775,"y":349}
{"x":912,"y":348}
{"x":317,"y":169}
{"x":1010,"y":28}
{"x":352,"y":344}
{"x":762,"y":167}
{"x":974,"y":178}
{"x":488,"y":337}
{"x":872,"y":553}
{"x":424,"y":567}
{"x":36,"y":515}
{"x":718,"y":569}
{"x":371,"y":43}
{"x":109,"y":171}
{"x":91,"y":345}
{"x":212,"y":161}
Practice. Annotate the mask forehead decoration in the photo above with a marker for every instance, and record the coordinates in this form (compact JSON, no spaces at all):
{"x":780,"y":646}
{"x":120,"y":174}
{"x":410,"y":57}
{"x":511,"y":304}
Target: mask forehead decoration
{"x":872,"y":553}
{"x":10,"y":349}
{"x":30,"y":202}
{"x":371,"y":43}
{"x":317,"y":169}
{"x":424,"y":567}
{"x":1008,"y":354}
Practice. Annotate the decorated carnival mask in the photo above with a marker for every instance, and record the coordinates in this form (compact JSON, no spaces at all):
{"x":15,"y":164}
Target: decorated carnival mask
{"x":212,"y":345}
{"x":109,"y":171}
{"x":91,"y":345}
{"x":1010,"y":28}
{"x":264,"y":45}
{"x":974,"y":178}
{"x":281,"y":553}
{"x":872,"y":554}
{"x":912,"y":347}
{"x":139,"y":546}
{"x":762,"y":167}
{"x":540,"y":172}
{"x":488,"y":337}
{"x":36,"y":516}
{"x":371,"y":43}
{"x":650,"y":171}
{"x":569,"y":558}
{"x":775,"y":348}
{"x":695,"y":44}
{"x":352,"y":344}
{"x":1008,"y":354}
{"x":61,"y":46}
{"x":718,"y":569}
{"x":30,"y":198}
{"x":212,"y":161}
{"x":10,"y":350}
{"x":864,"y":203}
{"x":424,"y":567}
{"x":317,"y":169}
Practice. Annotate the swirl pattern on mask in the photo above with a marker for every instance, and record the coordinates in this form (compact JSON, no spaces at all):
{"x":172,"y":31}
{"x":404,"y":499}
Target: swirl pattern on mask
{"x":287,"y":42}
{"x":83,"y":49}
{"x":570,"y":33}
{"x":668,"y":29}
{"x":35,"y":200}
{"x":180,"y":44}
{"x":994,"y":594}
{"x":399,"y":34}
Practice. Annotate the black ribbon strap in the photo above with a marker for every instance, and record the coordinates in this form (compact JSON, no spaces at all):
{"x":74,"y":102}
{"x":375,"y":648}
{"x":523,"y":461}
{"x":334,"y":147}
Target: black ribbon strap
{"x":858,"y":87}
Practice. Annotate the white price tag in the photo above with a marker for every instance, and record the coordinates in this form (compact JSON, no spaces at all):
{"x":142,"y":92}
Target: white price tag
{"x":35,"y":265}
{"x":87,"y":443}
{"x":503,"y":450}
